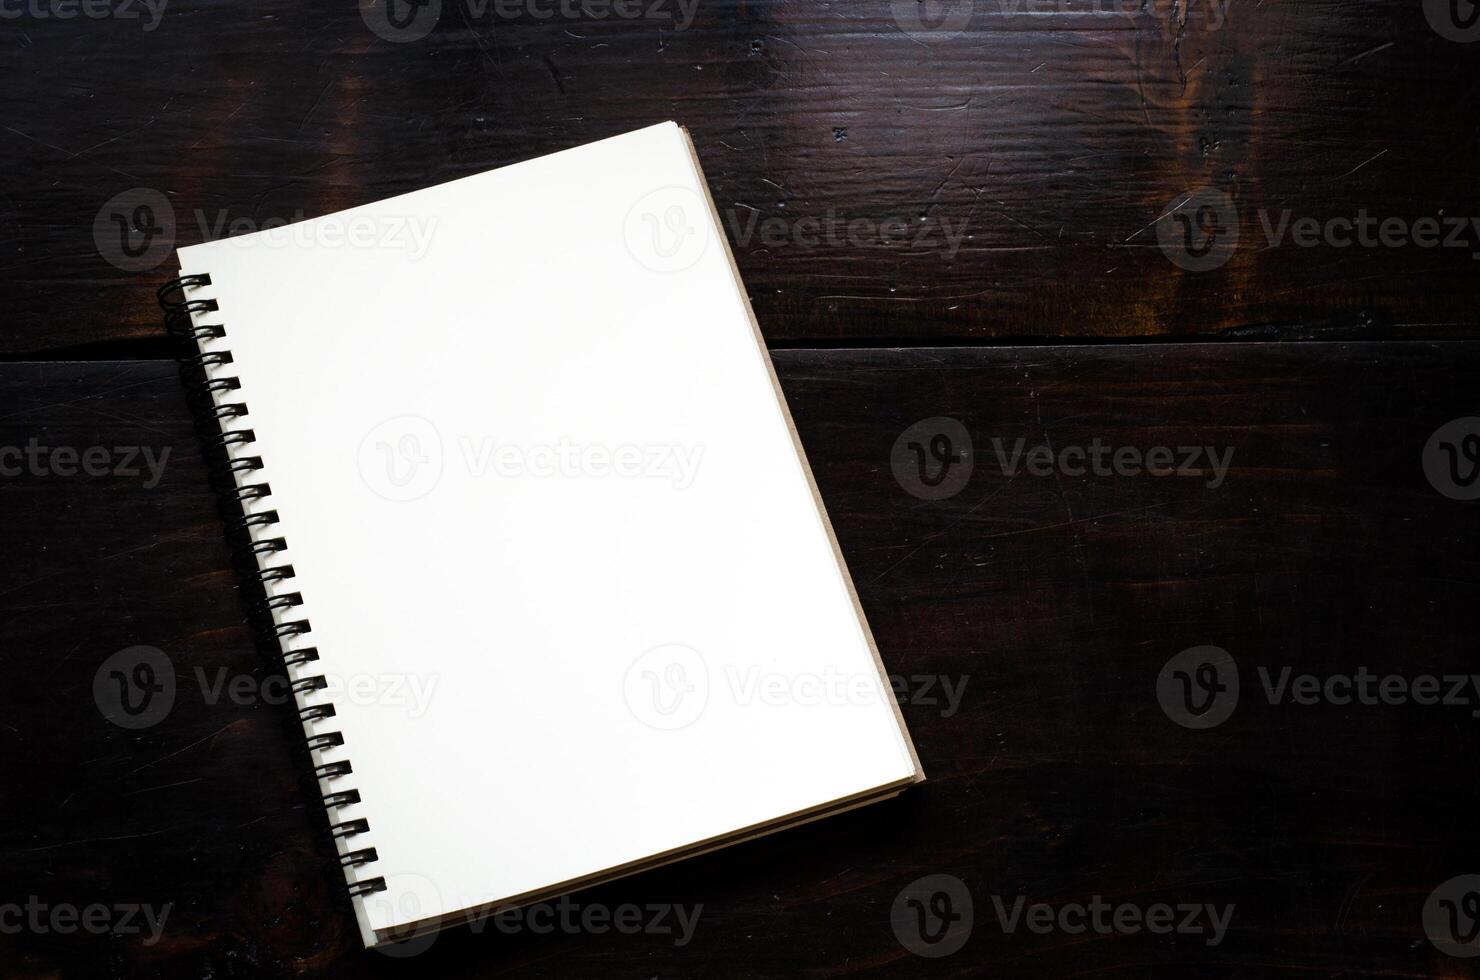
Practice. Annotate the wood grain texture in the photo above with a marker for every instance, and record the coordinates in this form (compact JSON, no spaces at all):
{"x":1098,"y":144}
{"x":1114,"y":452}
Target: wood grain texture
{"x":1051,"y":603}
{"x":878,"y":185}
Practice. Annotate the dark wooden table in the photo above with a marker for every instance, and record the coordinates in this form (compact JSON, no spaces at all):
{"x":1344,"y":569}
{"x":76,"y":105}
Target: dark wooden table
{"x":1070,"y":224}
{"x":881,"y":185}
{"x":1029,"y":618}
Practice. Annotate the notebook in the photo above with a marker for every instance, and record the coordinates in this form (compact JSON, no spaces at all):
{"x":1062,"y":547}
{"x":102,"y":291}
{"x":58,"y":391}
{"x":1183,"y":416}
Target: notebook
{"x":523,"y":516}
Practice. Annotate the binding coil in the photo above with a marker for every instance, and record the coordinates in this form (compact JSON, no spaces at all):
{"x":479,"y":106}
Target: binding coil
{"x":251,"y":555}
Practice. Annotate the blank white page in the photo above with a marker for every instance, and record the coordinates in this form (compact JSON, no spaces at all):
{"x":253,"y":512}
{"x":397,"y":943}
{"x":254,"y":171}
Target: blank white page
{"x":571,"y":586}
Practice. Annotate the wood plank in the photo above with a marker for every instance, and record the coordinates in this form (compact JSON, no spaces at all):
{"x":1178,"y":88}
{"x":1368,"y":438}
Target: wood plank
{"x":1003,"y":182}
{"x":1050,"y":604}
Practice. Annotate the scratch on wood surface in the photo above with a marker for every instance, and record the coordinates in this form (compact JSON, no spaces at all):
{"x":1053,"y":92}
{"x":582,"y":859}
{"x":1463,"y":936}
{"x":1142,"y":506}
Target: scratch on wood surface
{"x":1360,"y":166}
{"x":180,"y":750}
{"x":1151,"y":224}
{"x":1370,"y":51}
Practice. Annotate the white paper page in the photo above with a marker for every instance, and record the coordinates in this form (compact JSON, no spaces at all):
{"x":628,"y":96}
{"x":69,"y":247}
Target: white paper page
{"x":545,"y":508}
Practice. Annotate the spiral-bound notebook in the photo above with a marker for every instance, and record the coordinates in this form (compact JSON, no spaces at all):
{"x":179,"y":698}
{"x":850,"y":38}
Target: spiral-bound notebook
{"x":532,"y":531}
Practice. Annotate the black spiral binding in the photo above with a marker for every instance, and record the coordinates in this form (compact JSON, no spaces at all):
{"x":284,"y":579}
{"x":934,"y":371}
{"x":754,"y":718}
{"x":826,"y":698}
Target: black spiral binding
{"x":210,"y":400}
